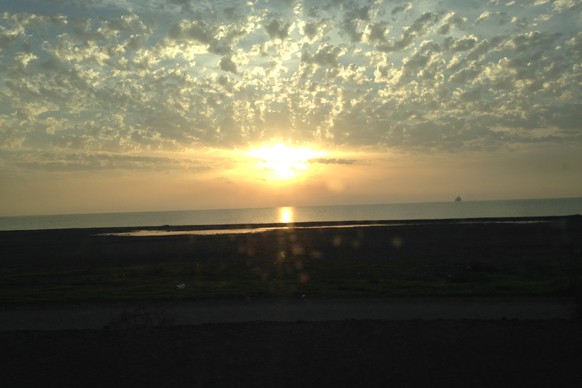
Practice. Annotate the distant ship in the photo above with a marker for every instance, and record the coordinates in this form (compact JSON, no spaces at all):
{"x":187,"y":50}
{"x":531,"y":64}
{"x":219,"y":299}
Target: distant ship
{"x":458,"y":199}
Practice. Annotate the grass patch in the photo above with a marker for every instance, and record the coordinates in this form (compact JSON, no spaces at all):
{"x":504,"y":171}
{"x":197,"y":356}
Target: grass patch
{"x":322,"y":278}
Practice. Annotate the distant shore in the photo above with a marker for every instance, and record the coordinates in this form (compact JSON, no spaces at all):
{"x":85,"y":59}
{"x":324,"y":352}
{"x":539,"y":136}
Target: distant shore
{"x":303,"y":225}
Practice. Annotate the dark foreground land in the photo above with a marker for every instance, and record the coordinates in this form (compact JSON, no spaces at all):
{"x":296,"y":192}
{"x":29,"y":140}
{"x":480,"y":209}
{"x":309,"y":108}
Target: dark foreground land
{"x":278,"y":354}
{"x":438,"y":258}
{"x":531,"y":259}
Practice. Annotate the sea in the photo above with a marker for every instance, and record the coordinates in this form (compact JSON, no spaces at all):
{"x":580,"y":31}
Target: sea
{"x":285,"y":215}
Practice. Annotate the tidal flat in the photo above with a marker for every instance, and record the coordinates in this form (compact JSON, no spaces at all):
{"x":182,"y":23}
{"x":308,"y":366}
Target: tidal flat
{"x":491,"y":257}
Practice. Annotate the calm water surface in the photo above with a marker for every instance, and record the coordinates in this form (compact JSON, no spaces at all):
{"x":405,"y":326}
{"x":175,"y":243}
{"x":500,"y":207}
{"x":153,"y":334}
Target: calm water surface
{"x":406,"y":211}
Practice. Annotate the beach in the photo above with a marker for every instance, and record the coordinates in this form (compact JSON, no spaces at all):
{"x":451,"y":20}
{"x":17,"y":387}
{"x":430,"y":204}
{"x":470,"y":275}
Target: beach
{"x":488,"y":302}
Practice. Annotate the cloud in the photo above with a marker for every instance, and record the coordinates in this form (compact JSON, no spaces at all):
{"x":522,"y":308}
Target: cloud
{"x":109,"y":77}
{"x":79,"y":161}
{"x":354,"y":18}
{"x":277,"y":29}
{"x":410,"y":34}
{"x":484,"y":16}
{"x":334,"y":161}
{"x":184,"y":5}
{"x":451,"y":20}
{"x":325,"y":56}
{"x":377,"y":32}
{"x":199,"y":31}
{"x":227,"y":64}
{"x":562,"y":5}
{"x":401,"y":8}
{"x":314,"y":30}
{"x":463,"y":44}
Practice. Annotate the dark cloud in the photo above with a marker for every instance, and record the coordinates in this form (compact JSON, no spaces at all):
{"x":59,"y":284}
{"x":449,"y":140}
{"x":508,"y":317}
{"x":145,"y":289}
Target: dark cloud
{"x":199,"y":31}
{"x":334,"y":161}
{"x":464,"y":44}
{"x":377,"y":33}
{"x":401,"y":8}
{"x":277,"y":29}
{"x":325,"y":56}
{"x":410,"y":34}
{"x":533,"y":40}
{"x":77,"y":161}
{"x":451,"y":21}
{"x":466,"y":75}
{"x":227,"y":64}
{"x":310,"y":30}
{"x":184,"y":5}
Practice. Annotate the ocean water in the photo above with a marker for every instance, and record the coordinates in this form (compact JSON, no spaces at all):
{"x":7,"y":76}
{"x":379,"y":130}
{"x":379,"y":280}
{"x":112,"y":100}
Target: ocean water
{"x":387,"y":212}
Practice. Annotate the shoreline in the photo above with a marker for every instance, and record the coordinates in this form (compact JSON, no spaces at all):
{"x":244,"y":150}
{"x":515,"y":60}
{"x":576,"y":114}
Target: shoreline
{"x":310,"y":224}
{"x":333,"y":213}
{"x":203,"y":230}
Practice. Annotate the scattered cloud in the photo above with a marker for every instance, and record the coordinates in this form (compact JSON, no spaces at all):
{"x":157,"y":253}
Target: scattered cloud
{"x":171,"y":75}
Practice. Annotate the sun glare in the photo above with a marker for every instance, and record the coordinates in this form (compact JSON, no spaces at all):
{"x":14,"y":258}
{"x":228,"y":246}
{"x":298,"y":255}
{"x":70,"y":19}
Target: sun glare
{"x":286,"y":215}
{"x":283,"y":162}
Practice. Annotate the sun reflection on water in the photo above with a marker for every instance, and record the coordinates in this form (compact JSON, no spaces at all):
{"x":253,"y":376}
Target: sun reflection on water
{"x":286,"y":214}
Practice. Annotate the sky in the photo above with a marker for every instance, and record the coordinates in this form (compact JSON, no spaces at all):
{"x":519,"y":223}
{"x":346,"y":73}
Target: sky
{"x":138,"y":105}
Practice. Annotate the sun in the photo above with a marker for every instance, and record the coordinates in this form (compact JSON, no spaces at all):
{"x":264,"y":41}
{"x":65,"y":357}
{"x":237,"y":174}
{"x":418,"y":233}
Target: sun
{"x":281,"y":161}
